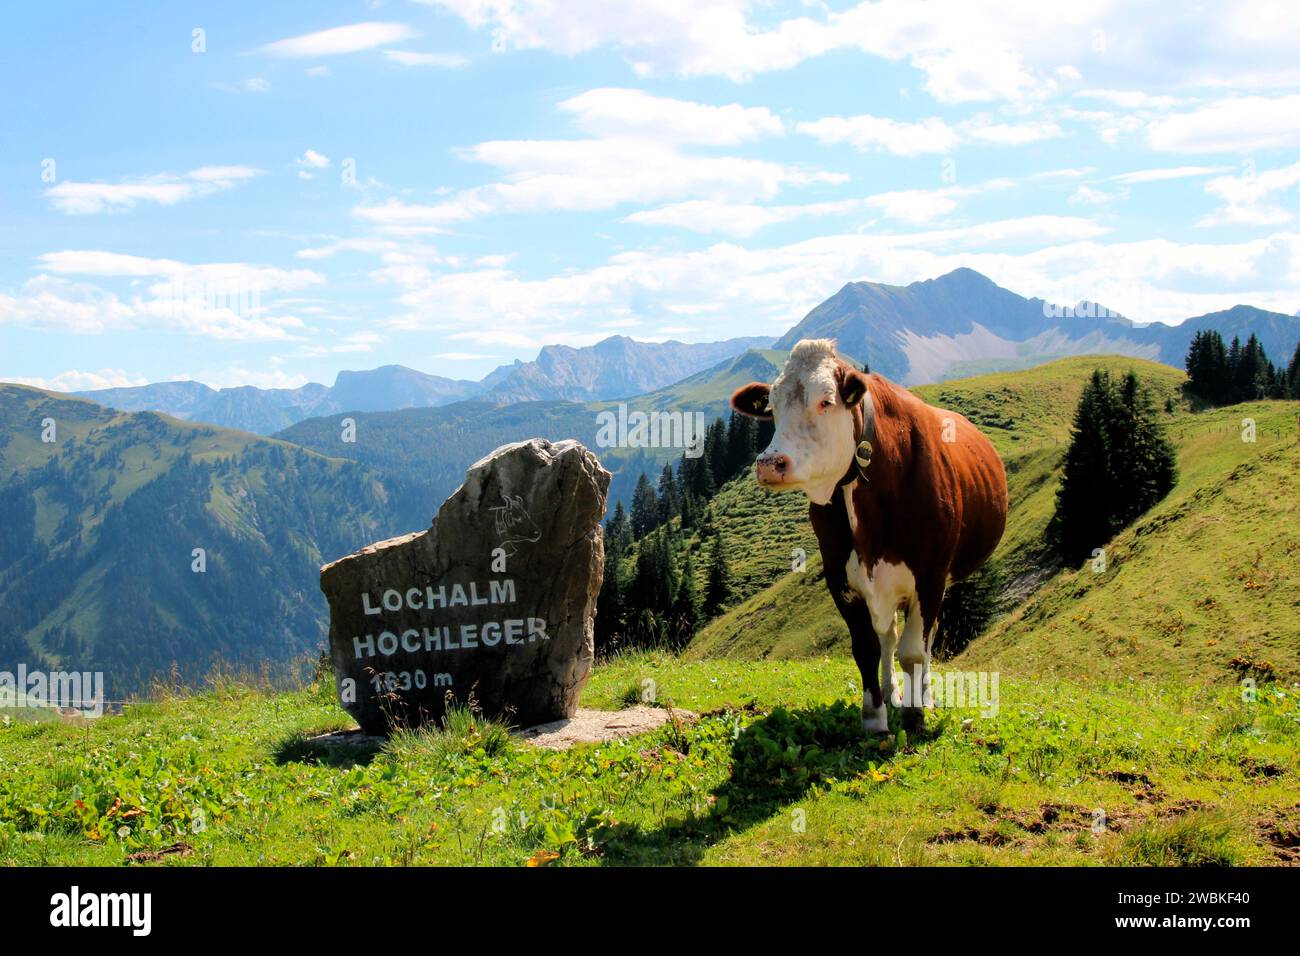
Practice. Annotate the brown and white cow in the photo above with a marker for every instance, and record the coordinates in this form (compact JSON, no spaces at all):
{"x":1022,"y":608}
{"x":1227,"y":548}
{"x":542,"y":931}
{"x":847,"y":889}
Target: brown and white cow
{"x":904,"y":498}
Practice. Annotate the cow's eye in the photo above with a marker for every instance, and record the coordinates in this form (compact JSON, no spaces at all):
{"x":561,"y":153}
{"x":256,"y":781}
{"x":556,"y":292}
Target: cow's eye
{"x":826,"y":403}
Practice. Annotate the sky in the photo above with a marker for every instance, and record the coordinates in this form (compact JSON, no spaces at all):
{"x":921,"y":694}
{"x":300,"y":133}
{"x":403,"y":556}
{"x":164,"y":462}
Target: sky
{"x":265,"y":194}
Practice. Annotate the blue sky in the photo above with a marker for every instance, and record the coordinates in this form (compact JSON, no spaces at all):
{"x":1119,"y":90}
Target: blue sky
{"x":268,"y":193}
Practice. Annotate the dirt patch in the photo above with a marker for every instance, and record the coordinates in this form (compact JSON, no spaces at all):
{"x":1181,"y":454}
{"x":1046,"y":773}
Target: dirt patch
{"x":593,"y":726}
{"x":1282,"y":834}
{"x":1260,"y":768}
{"x":156,"y":856}
{"x":988,"y":837}
{"x":1139,"y":783}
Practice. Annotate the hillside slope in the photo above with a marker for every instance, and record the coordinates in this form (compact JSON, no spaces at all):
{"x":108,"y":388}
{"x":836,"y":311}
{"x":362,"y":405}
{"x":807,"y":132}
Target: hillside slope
{"x":96,"y":560}
{"x":1027,"y":416}
{"x":1206,"y":585}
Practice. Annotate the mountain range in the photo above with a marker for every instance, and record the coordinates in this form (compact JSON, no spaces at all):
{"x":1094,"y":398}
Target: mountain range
{"x":963,"y":323}
{"x":612,"y":368}
{"x":955,"y":325}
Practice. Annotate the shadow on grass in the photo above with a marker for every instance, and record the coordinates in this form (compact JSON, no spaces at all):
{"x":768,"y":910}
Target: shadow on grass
{"x":774,"y":763}
{"x":340,"y":749}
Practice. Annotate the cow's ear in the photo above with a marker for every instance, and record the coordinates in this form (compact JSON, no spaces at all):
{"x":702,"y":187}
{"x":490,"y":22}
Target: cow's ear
{"x":753,"y":400}
{"x":853,"y":385}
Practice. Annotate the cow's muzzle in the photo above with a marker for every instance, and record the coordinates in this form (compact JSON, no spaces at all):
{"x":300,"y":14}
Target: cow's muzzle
{"x":772,"y":469}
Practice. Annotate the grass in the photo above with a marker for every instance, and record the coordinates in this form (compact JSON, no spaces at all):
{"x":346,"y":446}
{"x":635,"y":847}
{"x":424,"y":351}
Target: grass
{"x":775,"y":770}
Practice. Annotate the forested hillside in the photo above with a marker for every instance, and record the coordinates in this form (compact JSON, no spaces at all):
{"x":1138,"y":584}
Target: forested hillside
{"x":98,"y":563}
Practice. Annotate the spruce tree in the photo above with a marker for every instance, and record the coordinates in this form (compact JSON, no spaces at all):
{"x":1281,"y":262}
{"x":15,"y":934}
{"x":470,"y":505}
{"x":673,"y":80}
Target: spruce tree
{"x":645,"y":508}
{"x":669,"y":497}
{"x":1118,"y":465}
{"x":719,"y":586}
{"x":715,"y":450}
{"x":1293,"y":375}
{"x":740,"y":443}
{"x":1081,"y":511}
{"x":684,"y":618}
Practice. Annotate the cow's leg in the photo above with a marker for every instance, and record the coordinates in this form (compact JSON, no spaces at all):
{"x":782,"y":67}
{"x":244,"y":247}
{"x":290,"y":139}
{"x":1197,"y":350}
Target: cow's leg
{"x":866,"y":651}
{"x":835,"y":539}
{"x":914,"y":657}
{"x":888,"y":643}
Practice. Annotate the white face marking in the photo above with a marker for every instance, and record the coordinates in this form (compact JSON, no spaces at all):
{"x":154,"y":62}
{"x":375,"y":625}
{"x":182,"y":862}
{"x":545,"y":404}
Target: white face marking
{"x":813,"y":428}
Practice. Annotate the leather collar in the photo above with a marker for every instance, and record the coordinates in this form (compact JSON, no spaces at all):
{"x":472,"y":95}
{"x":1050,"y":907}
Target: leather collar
{"x":863,"y":446}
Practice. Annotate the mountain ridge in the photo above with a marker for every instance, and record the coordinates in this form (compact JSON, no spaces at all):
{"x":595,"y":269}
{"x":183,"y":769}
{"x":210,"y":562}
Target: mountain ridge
{"x":615,"y":367}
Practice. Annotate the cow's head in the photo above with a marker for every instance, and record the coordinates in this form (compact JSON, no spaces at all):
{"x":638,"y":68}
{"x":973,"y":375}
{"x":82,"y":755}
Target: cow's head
{"x":814,"y":406}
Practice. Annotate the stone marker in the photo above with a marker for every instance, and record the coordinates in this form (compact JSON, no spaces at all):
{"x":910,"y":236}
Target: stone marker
{"x":497,"y":599}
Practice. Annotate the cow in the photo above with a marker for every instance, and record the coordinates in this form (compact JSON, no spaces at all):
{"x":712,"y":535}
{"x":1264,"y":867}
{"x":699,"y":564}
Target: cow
{"x":904,"y":499}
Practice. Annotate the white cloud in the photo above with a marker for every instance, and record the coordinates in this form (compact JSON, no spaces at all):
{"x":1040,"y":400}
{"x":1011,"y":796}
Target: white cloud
{"x":465,"y":356}
{"x":1066,"y":173}
{"x":1132,"y":99}
{"x":1246,"y":198}
{"x":80,"y":198}
{"x":78,"y":381}
{"x":446,"y":61}
{"x":1241,"y":125}
{"x":967,"y":50}
{"x":595,"y":174}
{"x":367,"y":244}
{"x":615,"y":112}
{"x":254,"y":84}
{"x":904,"y":138}
{"x":1009,"y":134}
{"x":912,"y":206}
{"x":353,"y":38}
{"x":878,"y":133}
{"x":728,"y":289}
{"x":735,"y":219}
{"x":313,"y":160}
{"x":1165,"y":173}
{"x":734,"y":288}
{"x":1087,"y":196}
{"x":211,"y":300}
{"x":95,"y":262}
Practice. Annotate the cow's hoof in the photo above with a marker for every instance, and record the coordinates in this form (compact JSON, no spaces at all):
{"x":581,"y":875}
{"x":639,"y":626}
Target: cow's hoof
{"x":875,"y":720}
{"x":912,"y":719}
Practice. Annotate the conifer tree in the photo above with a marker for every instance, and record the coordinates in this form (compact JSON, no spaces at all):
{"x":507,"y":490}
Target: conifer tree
{"x":669,"y":497}
{"x":1118,"y":465}
{"x":645,"y":508}
{"x":719,"y":587}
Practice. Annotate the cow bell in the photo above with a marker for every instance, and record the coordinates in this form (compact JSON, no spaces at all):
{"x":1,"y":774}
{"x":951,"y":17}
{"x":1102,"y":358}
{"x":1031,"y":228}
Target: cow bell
{"x":863,"y":455}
